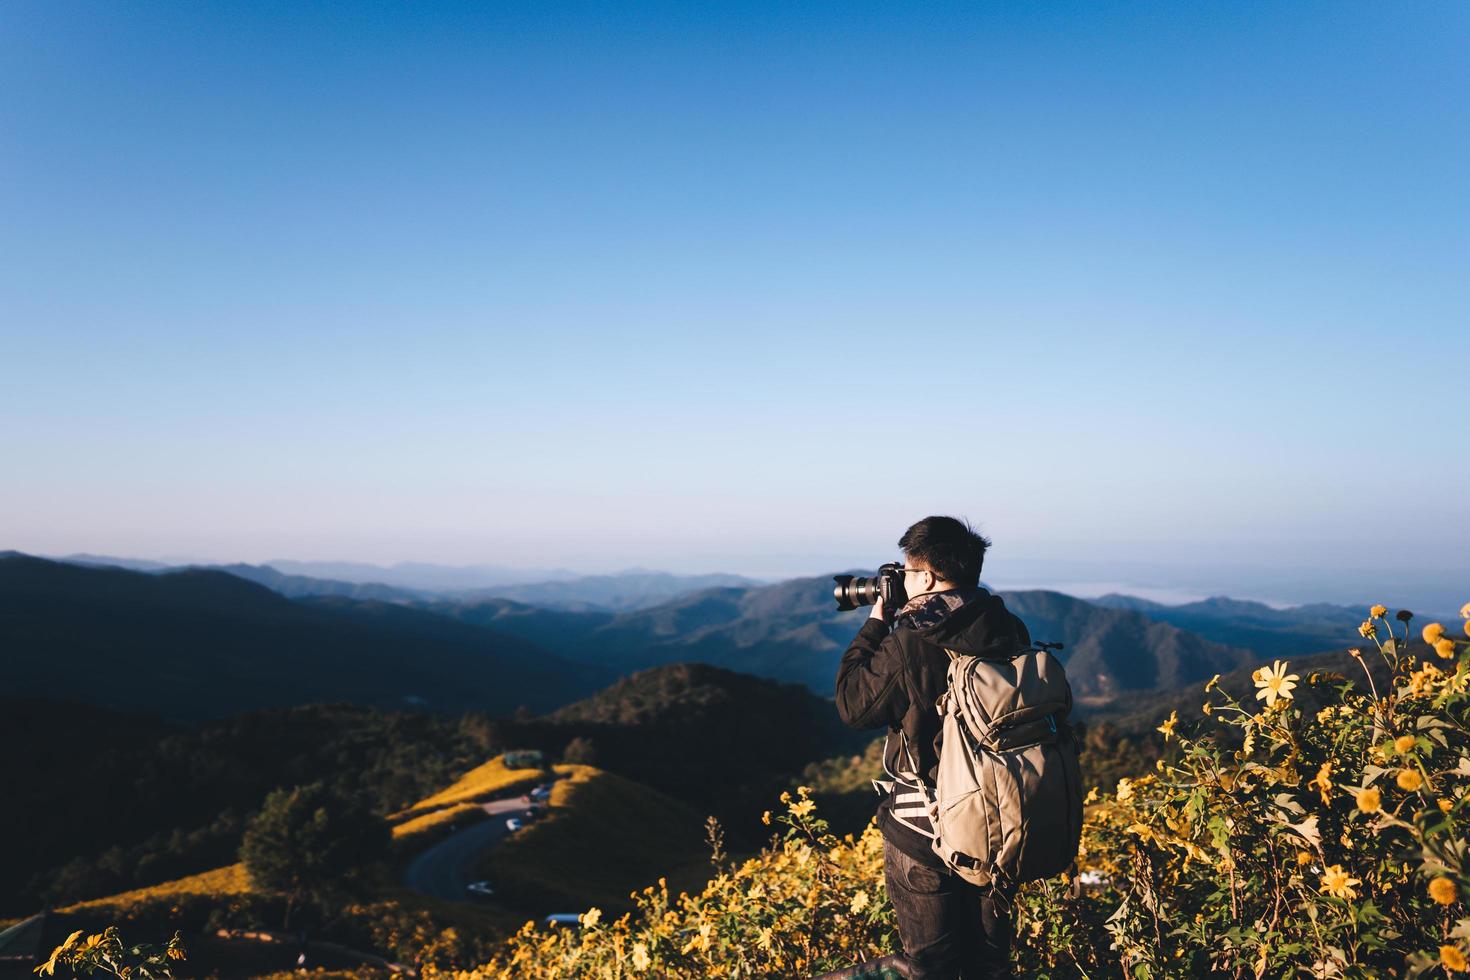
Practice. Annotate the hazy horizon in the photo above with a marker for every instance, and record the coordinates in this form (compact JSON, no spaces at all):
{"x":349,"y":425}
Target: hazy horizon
{"x":1437,"y":592}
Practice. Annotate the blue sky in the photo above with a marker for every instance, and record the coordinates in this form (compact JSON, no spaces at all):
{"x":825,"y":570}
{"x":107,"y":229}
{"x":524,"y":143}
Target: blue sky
{"x":740,"y":287}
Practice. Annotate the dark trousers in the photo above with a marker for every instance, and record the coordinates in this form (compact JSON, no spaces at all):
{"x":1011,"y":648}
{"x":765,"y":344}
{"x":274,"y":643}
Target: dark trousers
{"x":951,"y":929}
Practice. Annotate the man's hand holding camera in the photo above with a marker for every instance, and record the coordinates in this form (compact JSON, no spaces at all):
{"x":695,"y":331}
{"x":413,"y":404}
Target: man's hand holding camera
{"x":878,"y":611}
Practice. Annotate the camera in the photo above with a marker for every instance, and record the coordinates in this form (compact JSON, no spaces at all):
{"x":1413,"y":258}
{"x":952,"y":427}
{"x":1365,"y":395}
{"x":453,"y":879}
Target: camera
{"x":887,"y":584}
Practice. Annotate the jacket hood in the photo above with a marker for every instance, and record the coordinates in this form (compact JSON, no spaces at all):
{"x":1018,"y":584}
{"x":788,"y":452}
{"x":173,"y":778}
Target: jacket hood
{"x":981,"y":627}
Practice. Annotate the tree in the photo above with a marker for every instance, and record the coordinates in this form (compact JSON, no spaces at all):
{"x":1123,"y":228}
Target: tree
{"x":309,"y":843}
{"x":580,"y":751}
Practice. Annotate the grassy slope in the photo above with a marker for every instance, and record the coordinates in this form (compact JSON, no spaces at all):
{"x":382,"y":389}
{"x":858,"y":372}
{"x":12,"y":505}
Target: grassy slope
{"x":478,"y":784}
{"x":423,"y":817}
{"x":410,"y":831}
{"x":603,"y":837}
{"x":219,"y":883}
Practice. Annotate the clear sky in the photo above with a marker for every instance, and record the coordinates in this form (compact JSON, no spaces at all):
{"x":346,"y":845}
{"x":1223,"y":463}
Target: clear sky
{"x":742,"y":288}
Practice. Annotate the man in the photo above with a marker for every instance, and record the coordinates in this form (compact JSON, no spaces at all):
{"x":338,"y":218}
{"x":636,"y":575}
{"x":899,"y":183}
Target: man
{"x":950,"y":928}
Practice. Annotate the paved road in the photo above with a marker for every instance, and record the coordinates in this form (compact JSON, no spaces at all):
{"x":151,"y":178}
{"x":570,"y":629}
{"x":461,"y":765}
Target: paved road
{"x":444,"y":869}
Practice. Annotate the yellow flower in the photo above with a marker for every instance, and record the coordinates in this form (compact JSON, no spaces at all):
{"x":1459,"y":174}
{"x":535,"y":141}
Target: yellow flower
{"x":785,"y":797}
{"x":1451,"y":958}
{"x":766,"y":818}
{"x":1444,"y":891}
{"x":1125,"y":790}
{"x":1207,"y":708}
{"x":859,"y":902}
{"x":1274,"y":682}
{"x":1368,"y":629}
{"x":1422,"y":681}
{"x":1338,"y":884}
{"x":1168,"y":726}
{"x":1248,"y":744}
{"x":1465,"y":611}
{"x":1378,"y":612}
{"x":1091,"y":796}
{"x":1215,"y":680}
{"x":764,"y":941}
{"x":1322,"y":783}
{"x":640,"y":957}
{"x":1369,"y":800}
{"x":1445,"y":648}
{"x":803,"y":808}
{"x":1356,"y":653}
{"x":1432,"y":633}
{"x":1303,"y":857}
{"x":1403,"y":744}
{"x":1409,"y":780}
{"x":590,"y":917}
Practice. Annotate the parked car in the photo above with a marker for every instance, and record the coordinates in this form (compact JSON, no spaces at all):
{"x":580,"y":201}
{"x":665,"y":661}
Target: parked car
{"x":479,"y":888}
{"x":564,"y":919}
{"x":513,"y":824}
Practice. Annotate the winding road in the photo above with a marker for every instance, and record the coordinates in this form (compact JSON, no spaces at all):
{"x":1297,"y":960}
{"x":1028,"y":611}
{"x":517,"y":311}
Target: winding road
{"x":445,"y":869}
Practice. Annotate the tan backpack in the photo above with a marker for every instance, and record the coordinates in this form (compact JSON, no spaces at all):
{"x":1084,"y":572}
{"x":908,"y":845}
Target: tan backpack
{"x":1007,"y":800}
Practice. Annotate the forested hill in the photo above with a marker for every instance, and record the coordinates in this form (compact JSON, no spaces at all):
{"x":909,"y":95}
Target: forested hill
{"x":203,"y":644}
{"x":713,"y":738}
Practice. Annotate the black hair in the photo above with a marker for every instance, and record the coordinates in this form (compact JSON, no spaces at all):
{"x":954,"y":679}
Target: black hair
{"x":947,"y":545}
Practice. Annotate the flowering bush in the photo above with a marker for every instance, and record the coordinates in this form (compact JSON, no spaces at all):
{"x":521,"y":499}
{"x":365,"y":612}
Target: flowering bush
{"x":807,"y":901}
{"x":106,"y":953}
{"x":1331,"y":843}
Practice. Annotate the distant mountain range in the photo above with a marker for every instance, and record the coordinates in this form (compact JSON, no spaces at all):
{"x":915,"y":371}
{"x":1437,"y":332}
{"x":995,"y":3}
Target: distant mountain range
{"x":408,"y":582}
{"x":620,"y":592}
{"x":201,"y":644}
{"x":134,"y":564}
{"x":540,"y":655}
{"x":792,"y":631}
{"x":1269,"y":632}
{"x":421,"y":576}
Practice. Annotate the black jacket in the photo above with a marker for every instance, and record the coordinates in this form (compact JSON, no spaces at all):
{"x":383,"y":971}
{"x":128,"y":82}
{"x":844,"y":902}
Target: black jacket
{"x":894,"y":680}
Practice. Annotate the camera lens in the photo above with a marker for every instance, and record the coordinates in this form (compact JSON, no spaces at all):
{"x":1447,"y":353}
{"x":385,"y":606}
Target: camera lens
{"x":853,"y":592}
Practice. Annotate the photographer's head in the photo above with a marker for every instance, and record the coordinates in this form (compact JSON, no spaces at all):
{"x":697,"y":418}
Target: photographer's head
{"x":941,"y":553}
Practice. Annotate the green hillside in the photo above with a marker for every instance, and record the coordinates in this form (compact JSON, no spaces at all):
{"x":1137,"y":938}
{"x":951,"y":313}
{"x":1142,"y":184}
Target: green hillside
{"x":170,"y":800}
{"x":603,"y":836}
{"x":709,"y":737}
{"x":198,"y":644}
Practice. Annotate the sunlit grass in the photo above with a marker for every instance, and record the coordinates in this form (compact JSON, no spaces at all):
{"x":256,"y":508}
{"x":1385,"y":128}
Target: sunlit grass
{"x":435,"y":819}
{"x":232,"y":879}
{"x":602,"y":836}
{"x":478,"y":784}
